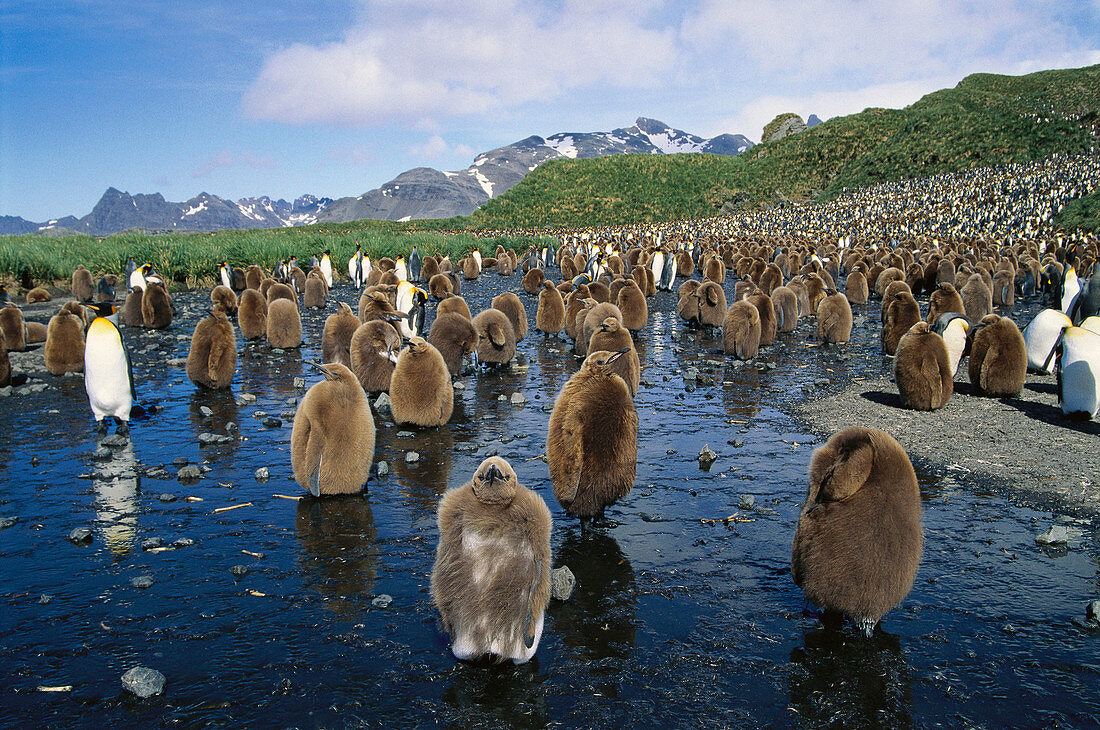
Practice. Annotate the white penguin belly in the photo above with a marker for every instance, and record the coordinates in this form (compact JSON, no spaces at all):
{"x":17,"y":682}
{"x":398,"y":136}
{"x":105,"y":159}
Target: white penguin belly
{"x":1080,"y":369}
{"x":107,"y":379}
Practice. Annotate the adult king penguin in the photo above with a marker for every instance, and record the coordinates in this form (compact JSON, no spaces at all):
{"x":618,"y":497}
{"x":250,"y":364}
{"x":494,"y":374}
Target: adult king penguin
{"x":1079,"y":373}
{"x":358,"y":267}
{"x":410,"y":301}
{"x":326,"y":267}
{"x":108,"y":376}
{"x":414,"y":265}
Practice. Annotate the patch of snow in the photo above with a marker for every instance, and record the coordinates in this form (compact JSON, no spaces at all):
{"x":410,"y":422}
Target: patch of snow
{"x":196,"y":209}
{"x":450,"y":174}
{"x":134,"y":202}
{"x":480,"y":161}
{"x":485,"y":183}
{"x":670,"y":146}
{"x":563,"y":145}
{"x":404,"y":219}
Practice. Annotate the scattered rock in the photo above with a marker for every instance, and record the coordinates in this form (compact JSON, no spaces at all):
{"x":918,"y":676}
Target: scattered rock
{"x":239,"y":571}
{"x":207,"y":438}
{"x":502,"y":398}
{"x":299,"y":382}
{"x":412,"y":457}
{"x":115,"y":441}
{"x":706,"y":457}
{"x":518,"y":399}
{"x":691,"y":375}
{"x":245,"y":399}
{"x":44,"y":599}
{"x":231,"y":427}
{"x":181,"y":542}
{"x":382,"y":405}
{"x":6,"y":522}
{"x":142,"y":581}
{"x":562,"y":583}
{"x":272,"y":422}
{"x":1056,"y":535}
{"x":143,"y":682}
{"x":459,"y":386}
{"x":151,"y":542}
{"x":189,"y":473}
{"x":179,"y":461}
{"x":736,"y":443}
{"x":1092,"y":613}
{"x":746,"y":501}
{"x":166,"y":497}
{"x":405,"y":434}
{"x":382,"y":601}
{"x":383,"y":468}
{"x":101,"y":454}
{"x":80,"y":536}
{"x":206,"y":411}
{"x":263,"y":474}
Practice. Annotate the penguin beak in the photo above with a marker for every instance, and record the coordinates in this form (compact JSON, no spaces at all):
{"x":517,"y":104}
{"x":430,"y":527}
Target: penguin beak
{"x":617,"y":355}
{"x":493,"y":474}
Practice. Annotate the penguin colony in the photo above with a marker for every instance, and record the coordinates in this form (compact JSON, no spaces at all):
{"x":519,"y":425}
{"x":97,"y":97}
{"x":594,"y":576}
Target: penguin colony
{"x":494,"y":533}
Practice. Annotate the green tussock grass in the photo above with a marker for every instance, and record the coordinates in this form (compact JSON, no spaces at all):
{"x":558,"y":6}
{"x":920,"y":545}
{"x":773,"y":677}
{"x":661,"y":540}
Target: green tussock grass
{"x":1082,"y":214}
{"x":186,"y":257}
{"x":986,"y":120}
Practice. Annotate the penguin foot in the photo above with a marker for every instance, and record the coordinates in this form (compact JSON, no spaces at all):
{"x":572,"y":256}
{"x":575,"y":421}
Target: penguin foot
{"x":123,"y":428}
{"x":101,"y":426}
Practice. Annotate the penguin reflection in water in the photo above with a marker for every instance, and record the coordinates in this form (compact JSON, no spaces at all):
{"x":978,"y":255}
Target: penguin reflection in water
{"x":592,"y":445}
{"x":108,"y":376}
{"x":859,"y":538}
{"x":491,"y":578}
{"x":332,"y":442}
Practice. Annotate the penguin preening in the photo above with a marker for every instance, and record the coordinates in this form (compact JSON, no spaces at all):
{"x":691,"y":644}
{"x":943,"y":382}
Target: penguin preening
{"x":922,"y":369}
{"x":491,"y":577}
{"x":785,"y":303}
{"x":332,"y":442}
{"x":420,"y":390}
{"x":212,"y":360}
{"x":711,"y":304}
{"x":108,"y":378}
{"x":496,"y":341}
{"x":1079,"y":372}
{"x":592,"y":444}
{"x":859,"y":537}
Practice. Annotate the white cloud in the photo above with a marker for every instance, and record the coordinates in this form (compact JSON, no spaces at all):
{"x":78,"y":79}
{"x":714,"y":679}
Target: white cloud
{"x":414,"y":62}
{"x":229,"y":159}
{"x":437,"y":147}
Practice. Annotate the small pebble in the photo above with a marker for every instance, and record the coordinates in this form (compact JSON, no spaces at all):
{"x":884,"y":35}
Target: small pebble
{"x":405,"y":434}
{"x":142,"y":581}
{"x":44,"y":599}
{"x":206,"y":411}
{"x":272,"y":422}
{"x":166,"y":497}
{"x":299,"y":382}
{"x":143,"y":682}
{"x":460,"y":386}
{"x":6,"y":522}
{"x":1056,"y":535}
{"x":518,"y":399}
{"x":412,"y":457}
{"x":263,"y":474}
{"x":383,"y":468}
{"x":101,"y":454}
{"x":80,"y":535}
{"x":746,"y":501}
{"x":382,"y":601}
{"x":706,"y":457}
{"x":239,"y":571}
{"x":245,"y":399}
{"x":180,"y":542}
{"x":189,"y":472}
{"x":151,"y":542}
{"x":562,"y":582}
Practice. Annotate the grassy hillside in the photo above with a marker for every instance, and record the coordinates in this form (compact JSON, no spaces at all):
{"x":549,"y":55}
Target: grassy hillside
{"x":1081,"y":214}
{"x":987,"y":119}
{"x":191,"y":257}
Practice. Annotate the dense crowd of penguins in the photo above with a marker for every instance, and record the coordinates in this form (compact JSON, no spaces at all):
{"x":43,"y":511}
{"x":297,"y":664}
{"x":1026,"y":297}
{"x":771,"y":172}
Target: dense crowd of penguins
{"x":859,"y":537}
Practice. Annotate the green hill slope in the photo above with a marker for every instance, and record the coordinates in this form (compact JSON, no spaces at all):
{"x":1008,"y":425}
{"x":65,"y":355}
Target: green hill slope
{"x":987,"y":119}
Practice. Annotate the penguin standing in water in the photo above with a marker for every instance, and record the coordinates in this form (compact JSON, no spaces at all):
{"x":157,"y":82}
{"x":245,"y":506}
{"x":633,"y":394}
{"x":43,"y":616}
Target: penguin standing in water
{"x":108,"y":376}
{"x":326,"y":268}
{"x":1079,"y":373}
{"x":550,"y":315}
{"x":491,"y":577}
{"x":414,"y":265}
{"x":226,"y":274}
{"x":212,"y":360}
{"x":420,"y":389}
{"x":337,"y":334}
{"x":859,"y":538}
{"x":332,"y":442}
{"x":64,"y":350}
{"x":358,"y":268}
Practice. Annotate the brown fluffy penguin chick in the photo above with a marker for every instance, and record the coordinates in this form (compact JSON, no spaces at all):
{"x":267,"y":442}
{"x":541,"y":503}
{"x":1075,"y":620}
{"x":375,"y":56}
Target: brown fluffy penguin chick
{"x":13,"y":329}
{"x":714,"y":270}
{"x":550,"y":315}
{"x":281,"y":291}
{"x":38,"y":332}
{"x":574,"y":304}
{"x":768,"y":325}
{"x":512,"y":307}
{"x":741,"y":331}
{"x":785,"y":303}
{"x":376,"y":305}
{"x":631,"y":302}
{"x":922,"y":369}
{"x":815,"y":292}
{"x":834,"y":319}
{"x":156,"y":306}
{"x":859,"y":538}
{"x":902,"y":313}
{"x":131,"y":309}
{"x":944,"y":298}
{"x":332,"y":443}
{"x":1004,"y":290}
{"x":471,"y":269}
{"x":977,"y":298}
{"x":856,"y":289}
{"x":892,"y":290}
{"x":711,"y":303}
{"x":251,"y":314}
{"x":83,"y":286}
{"x":5,"y":364}
{"x":253,"y":276}
{"x":284,"y":324}
{"x":428,"y":268}
{"x":592,"y":445}
{"x":453,"y":305}
{"x":496,"y":342}
{"x":491,"y":578}
{"x":455,"y":337}
{"x":593,"y":318}
{"x":998,"y":358}
{"x":440,"y":286}
{"x":770,"y":278}
{"x":225,"y":297}
{"x":316,"y":291}
{"x":213,"y":356}
{"x":687,"y":305}
{"x":611,"y":337}
{"x":64,"y":349}
{"x":336,"y":336}
{"x":38,"y":295}
{"x":421,"y":391}
{"x":533,"y":280}
{"x":374,"y":347}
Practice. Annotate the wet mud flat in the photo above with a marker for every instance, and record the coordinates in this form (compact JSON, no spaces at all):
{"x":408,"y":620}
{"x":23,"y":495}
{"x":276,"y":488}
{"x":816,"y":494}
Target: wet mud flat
{"x":315,"y":613}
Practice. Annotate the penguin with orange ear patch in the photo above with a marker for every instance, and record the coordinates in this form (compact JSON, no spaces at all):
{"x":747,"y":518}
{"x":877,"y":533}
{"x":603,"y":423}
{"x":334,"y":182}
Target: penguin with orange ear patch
{"x":332,"y":443}
{"x":491,"y":577}
{"x":859,"y":538}
{"x":108,"y":377}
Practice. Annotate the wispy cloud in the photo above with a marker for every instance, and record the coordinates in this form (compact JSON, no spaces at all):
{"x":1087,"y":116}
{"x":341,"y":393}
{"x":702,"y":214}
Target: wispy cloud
{"x":230,"y":159}
{"x":437,"y":147}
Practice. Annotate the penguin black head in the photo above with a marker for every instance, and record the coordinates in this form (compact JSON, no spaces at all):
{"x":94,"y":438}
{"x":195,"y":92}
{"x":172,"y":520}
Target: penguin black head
{"x":102,"y":309}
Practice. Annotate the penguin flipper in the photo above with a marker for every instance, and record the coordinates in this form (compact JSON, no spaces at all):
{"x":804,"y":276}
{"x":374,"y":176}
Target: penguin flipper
{"x":990,"y":364}
{"x":569,"y":465}
{"x":930,"y":374}
{"x":315,"y":480}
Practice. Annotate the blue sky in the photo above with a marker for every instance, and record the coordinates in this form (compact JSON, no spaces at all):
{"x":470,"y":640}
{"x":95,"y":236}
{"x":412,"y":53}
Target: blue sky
{"x":241,"y":98}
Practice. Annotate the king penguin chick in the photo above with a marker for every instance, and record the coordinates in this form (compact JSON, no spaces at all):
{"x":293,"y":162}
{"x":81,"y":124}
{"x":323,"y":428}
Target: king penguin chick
{"x":374,"y":348}
{"x":741,"y":331}
{"x":512,"y":307}
{"x":631,"y":302}
{"x":421,"y":391}
{"x":922,"y":369}
{"x":532,"y":280}
{"x":944,"y":299}
{"x":592,"y":320}
{"x":284,"y":324}
{"x":592,"y":445}
{"x":455,"y":337}
{"x":156,"y":305}
{"x":491,"y":578}
{"x":332,"y":442}
{"x":453,"y":305}
{"x":252,"y":314}
{"x":336,"y":336}
{"x":131,"y":309}
{"x":768,"y":325}
{"x":834,"y":319}
{"x":785,"y":302}
{"x":64,"y":350}
{"x":83,"y":287}
{"x":687,"y":304}
{"x":977,"y":298}
{"x":998,"y":358}
{"x":612,"y":336}
{"x":212,"y":360}
{"x":550,"y":315}
{"x":13,"y":328}
{"x":859,"y":537}
{"x":496,"y":342}
{"x":901,"y":314}
{"x":316,"y":291}
{"x":712,"y":304}
{"x":224,"y":296}
{"x":108,"y":378}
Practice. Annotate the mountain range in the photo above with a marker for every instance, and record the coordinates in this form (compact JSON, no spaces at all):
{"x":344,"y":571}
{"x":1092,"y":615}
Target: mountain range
{"x":422,"y":192}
